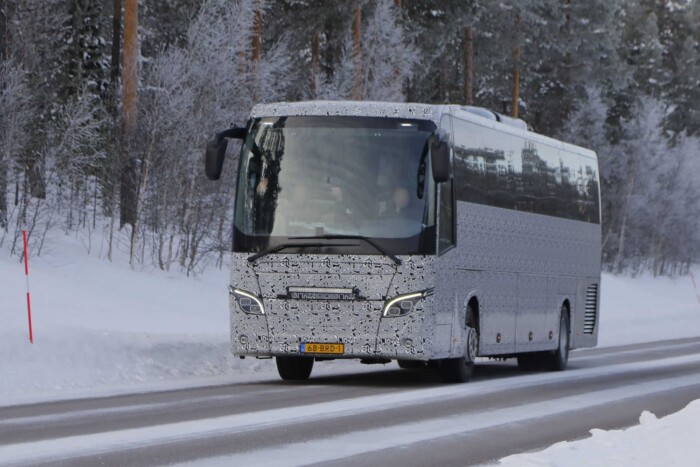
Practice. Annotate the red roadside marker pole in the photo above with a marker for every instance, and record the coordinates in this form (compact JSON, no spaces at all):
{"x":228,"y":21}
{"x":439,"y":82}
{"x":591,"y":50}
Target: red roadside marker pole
{"x":697,"y":294}
{"x":26,"y":274}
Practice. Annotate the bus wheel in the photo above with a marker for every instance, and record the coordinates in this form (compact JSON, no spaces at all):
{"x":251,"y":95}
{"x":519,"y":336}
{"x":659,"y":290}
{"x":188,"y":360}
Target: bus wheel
{"x":559,"y":358}
{"x":294,"y":368}
{"x":459,"y":370}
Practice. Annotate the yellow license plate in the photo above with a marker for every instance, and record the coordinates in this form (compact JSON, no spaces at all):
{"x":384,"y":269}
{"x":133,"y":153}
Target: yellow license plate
{"x":332,"y":349}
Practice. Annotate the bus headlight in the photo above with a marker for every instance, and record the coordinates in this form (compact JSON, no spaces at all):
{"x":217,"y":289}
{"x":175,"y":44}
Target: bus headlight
{"x":402,"y":305}
{"x":247,"y":302}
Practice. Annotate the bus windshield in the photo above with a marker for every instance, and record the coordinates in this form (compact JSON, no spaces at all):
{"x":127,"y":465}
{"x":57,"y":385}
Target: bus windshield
{"x":315,"y":177}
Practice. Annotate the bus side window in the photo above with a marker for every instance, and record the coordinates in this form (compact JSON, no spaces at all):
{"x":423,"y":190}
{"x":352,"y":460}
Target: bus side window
{"x":446,"y":223}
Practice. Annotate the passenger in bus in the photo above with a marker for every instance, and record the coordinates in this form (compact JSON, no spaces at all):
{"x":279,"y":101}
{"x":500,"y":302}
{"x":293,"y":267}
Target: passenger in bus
{"x":400,"y":204}
{"x":339,"y":216}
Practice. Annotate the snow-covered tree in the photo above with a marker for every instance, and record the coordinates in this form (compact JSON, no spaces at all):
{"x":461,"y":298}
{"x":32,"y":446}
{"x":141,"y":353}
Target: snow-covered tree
{"x":388,"y":59}
{"x":14,"y":119}
{"x":189,"y":92}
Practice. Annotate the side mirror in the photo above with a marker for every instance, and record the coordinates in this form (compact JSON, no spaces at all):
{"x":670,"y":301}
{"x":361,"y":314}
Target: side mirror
{"x":216,"y":150}
{"x":214,"y":158}
{"x":440,"y":160}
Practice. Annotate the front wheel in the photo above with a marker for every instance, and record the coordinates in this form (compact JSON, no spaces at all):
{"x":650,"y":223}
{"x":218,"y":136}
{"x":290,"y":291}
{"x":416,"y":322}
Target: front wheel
{"x":459,"y":370}
{"x":294,"y":368}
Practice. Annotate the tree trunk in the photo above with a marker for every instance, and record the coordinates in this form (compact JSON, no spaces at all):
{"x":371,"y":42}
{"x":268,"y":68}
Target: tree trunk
{"x":3,"y":193}
{"x":315,"y":51}
{"x":257,"y":30}
{"x":330,"y":53}
{"x":186,"y":219}
{"x":78,"y":15}
{"x":116,"y":54}
{"x":140,"y":198}
{"x":255,"y":50}
{"x":130,"y":65}
{"x":442,"y":79}
{"x":128,"y":176}
{"x":357,"y":54}
{"x":468,"y":66}
{"x":3,"y":31}
{"x":565,"y":103}
{"x":516,"y":70}
{"x":4,"y":158}
{"x":620,"y":256}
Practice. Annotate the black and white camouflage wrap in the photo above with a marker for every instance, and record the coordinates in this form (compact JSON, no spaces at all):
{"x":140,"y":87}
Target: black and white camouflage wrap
{"x":356,"y":323}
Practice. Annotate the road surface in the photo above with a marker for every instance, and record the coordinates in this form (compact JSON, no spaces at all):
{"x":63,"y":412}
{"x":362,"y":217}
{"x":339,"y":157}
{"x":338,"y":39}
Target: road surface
{"x":385,"y":416}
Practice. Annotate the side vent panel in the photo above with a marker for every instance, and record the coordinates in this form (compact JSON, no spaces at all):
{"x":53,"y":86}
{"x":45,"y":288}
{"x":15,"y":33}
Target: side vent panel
{"x":591,"y":307}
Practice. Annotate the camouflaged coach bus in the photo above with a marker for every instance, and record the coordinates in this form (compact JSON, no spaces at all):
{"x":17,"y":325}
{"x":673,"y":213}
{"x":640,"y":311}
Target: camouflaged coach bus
{"x":430,"y":235}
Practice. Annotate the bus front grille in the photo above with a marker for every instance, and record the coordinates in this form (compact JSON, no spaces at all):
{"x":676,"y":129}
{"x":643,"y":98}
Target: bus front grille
{"x":591,"y":307}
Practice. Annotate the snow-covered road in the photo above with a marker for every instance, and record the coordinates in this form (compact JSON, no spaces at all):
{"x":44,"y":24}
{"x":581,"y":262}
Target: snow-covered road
{"x":385,"y":416}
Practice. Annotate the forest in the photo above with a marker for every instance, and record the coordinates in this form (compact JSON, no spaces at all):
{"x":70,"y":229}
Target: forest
{"x":106,"y":106}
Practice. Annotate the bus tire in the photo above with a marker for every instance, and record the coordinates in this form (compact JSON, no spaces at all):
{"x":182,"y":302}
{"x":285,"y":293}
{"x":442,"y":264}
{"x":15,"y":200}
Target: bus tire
{"x":294,"y":368}
{"x":459,"y":370}
{"x":558,"y":359}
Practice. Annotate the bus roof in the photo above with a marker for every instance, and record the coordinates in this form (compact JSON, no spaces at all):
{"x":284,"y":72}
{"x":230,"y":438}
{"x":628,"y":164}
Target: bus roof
{"x":413,"y":111}
{"x":349,"y":108}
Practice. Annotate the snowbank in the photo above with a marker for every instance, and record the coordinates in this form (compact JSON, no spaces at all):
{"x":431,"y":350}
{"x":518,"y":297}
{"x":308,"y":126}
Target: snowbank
{"x":671,"y":440}
{"x":647,"y":309}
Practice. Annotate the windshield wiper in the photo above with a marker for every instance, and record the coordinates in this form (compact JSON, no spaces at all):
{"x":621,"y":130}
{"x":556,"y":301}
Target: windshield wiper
{"x":369,"y":241}
{"x":283,"y":246}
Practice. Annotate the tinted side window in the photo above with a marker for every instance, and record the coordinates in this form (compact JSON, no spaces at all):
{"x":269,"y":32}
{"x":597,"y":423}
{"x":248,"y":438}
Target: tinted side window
{"x":446,"y":224}
{"x":507,"y":171}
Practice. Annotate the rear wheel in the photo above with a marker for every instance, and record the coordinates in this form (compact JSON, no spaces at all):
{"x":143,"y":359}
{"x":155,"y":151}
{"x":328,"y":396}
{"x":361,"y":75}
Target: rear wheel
{"x":294,"y":368}
{"x":459,"y":370}
{"x":559,"y":359}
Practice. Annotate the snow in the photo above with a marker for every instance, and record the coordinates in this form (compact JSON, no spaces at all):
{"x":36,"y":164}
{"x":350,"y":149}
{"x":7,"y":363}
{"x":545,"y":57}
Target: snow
{"x":100,"y":328}
{"x":98,"y":325}
{"x":671,"y":440}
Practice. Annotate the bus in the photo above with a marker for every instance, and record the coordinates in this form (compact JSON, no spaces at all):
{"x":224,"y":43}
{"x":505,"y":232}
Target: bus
{"x":427,"y":234}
